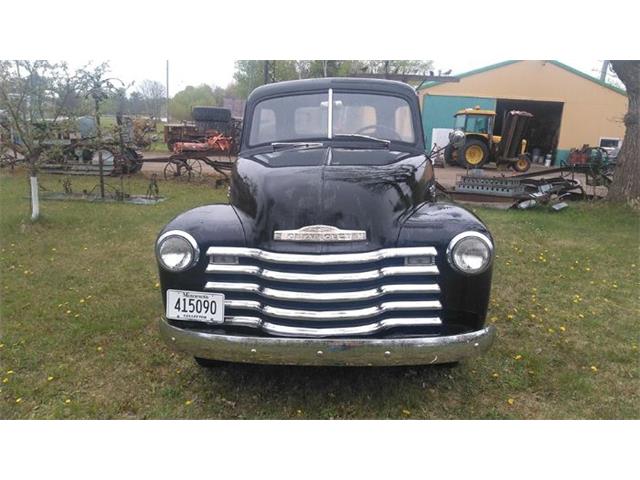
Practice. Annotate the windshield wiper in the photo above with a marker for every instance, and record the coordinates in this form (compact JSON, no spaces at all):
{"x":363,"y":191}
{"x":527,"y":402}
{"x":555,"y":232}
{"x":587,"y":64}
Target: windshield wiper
{"x":362,"y":137}
{"x":285,"y":145}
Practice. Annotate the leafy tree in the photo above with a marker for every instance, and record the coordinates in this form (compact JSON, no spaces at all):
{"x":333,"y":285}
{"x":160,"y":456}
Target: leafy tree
{"x":249,"y":74}
{"x":626,"y":179}
{"x":181,"y":104}
{"x":39,"y":101}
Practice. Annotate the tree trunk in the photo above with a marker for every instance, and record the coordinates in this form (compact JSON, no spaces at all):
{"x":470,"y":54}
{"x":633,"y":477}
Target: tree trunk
{"x":626,"y":179}
{"x":33,"y":186}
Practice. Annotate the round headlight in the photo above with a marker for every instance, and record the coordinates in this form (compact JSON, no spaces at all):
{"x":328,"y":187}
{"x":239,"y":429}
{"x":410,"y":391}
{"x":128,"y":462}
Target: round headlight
{"x":470,"y":252}
{"x":177,"y":251}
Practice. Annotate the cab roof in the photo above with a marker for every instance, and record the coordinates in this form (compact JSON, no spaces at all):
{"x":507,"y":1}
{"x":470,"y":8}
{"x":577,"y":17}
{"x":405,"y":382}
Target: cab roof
{"x":474,"y":111}
{"x":319,"y":84}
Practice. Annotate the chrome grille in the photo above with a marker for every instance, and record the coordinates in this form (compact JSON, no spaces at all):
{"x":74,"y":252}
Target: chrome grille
{"x":334,"y":294}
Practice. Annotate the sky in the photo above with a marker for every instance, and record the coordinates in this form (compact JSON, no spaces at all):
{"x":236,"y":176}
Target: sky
{"x":183,"y":72}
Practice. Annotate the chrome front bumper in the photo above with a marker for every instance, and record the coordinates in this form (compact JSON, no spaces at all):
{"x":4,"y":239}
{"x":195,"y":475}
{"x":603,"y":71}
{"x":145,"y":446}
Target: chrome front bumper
{"x":329,"y":351}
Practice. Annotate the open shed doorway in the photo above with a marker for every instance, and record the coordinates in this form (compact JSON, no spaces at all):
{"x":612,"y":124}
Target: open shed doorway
{"x":544,"y":128}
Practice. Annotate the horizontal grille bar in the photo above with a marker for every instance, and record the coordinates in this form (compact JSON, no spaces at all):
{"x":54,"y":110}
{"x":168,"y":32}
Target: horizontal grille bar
{"x":323,"y":296}
{"x":322,"y":259}
{"x":322,"y":277}
{"x":275,"y":329}
{"x":332,"y":314}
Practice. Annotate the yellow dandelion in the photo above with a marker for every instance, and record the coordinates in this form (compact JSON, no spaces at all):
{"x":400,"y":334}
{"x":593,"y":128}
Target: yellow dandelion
{"x":546,"y":309}
{"x":614,"y":285}
{"x":563,"y":329}
{"x":99,"y":349}
{"x":510,"y":401}
{"x":406,"y":412}
{"x":49,"y":378}
{"x":510,"y":317}
{"x":9,"y":372}
{"x":188,"y":402}
{"x":580,"y":315}
{"x":587,"y":269}
{"x":1,"y":345}
{"x":82,"y":300}
{"x":19,"y":400}
{"x":493,"y":319}
{"x":5,"y":380}
{"x":594,"y":368}
{"x":76,"y":315}
{"x":67,"y":401}
{"x":495,"y":375}
{"x":518,"y":357}
{"x":26,"y":272}
{"x":68,"y":312}
{"x":157,"y":285}
{"x":534,"y":289}
{"x":551,"y":330}
{"x":53,"y":249}
{"x":533,"y":315}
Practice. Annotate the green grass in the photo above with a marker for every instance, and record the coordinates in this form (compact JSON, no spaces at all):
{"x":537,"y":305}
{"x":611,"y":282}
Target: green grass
{"x":79,"y":304}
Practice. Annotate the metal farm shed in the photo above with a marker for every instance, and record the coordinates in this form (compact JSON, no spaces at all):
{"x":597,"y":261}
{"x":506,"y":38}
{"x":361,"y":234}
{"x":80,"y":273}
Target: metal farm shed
{"x":570,"y":108}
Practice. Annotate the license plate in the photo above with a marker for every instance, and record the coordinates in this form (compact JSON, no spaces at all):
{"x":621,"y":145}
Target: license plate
{"x":195,"y":306}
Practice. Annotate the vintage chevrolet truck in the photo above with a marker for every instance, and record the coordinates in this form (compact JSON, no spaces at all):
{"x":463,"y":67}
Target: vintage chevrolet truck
{"x":333,"y":249}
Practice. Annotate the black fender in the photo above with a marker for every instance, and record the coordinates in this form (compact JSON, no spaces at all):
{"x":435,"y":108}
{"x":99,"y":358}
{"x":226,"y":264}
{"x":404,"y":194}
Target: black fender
{"x":465,"y":298}
{"x":209,"y":225}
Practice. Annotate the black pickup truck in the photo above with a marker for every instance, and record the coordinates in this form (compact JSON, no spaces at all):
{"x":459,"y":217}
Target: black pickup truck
{"x":333,"y":249}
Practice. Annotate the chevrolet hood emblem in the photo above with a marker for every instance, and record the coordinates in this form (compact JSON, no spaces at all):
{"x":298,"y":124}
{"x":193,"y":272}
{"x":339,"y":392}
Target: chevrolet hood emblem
{"x":320,"y":233}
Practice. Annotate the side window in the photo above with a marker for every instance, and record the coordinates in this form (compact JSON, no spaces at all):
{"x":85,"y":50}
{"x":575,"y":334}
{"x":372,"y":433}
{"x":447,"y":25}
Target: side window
{"x":403,"y":122}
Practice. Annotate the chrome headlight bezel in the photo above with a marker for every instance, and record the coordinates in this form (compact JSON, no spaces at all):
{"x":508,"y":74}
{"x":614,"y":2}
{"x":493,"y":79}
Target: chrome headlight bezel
{"x":195,"y":250}
{"x":455,"y":242}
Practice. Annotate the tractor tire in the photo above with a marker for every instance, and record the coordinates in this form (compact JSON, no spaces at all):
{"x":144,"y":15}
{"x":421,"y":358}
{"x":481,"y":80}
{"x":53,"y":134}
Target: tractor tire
{"x":522,"y":164}
{"x":211,"y":114}
{"x":451,"y":155}
{"x":474,"y":154}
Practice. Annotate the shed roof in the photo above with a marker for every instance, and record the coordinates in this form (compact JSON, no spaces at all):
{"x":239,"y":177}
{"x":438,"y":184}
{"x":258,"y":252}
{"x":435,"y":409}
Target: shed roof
{"x":495,"y":66}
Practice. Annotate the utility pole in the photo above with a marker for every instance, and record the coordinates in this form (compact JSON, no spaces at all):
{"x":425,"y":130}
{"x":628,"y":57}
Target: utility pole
{"x":266,"y":72}
{"x":167,"y":91}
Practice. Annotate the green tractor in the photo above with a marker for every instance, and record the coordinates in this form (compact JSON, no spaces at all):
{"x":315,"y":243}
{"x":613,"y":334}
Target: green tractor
{"x":482,"y":146}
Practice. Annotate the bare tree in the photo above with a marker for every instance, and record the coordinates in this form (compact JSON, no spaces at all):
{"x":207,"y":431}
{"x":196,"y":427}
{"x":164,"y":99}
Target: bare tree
{"x":626,"y":179}
{"x":154,"y":95}
{"x":39,"y":100}
{"x":97,"y":86}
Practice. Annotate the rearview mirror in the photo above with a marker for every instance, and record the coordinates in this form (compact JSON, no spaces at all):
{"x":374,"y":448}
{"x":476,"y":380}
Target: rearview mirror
{"x":457,"y":138}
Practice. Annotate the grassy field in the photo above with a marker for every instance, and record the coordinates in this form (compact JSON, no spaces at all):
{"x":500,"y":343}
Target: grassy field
{"x":80,"y":300}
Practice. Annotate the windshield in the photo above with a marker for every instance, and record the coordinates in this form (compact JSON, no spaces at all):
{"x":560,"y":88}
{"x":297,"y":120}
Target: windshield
{"x":306,"y":117}
{"x":477,"y":124}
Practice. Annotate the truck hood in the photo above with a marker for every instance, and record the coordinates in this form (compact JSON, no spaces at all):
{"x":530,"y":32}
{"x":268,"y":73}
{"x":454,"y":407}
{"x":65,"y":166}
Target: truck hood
{"x":351,"y":189}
